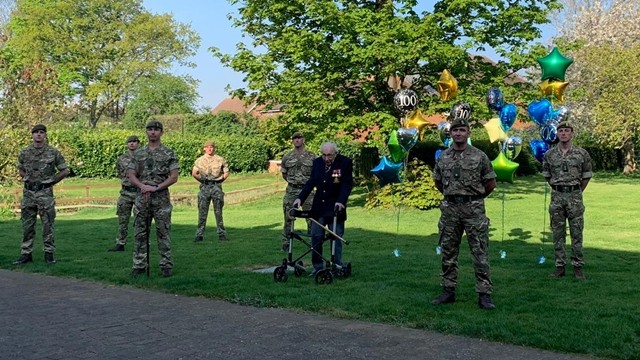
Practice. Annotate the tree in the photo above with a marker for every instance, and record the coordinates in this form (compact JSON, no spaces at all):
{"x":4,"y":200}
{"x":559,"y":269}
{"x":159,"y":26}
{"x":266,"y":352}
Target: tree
{"x":97,"y":49}
{"x":330,"y":60}
{"x":160,"y":94}
{"x":603,"y":38}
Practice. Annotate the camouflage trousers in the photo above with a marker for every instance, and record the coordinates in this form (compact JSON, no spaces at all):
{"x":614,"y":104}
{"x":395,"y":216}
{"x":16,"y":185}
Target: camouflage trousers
{"x":563,"y":207}
{"x":290,"y":195}
{"x":469,"y":218}
{"x":154,"y":206}
{"x":210,"y":194}
{"x":36,"y":203}
{"x":123,"y":210}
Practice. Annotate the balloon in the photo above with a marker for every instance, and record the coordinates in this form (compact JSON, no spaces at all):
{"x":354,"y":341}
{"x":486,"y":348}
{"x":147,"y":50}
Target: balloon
{"x":554,"y":65}
{"x":460,"y":110}
{"x":443,"y":129}
{"x":386,"y":171}
{"x":447,"y":86}
{"x":407,"y":137}
{"x":508,"y":116}
{"x":539,"y":111}
{"x":538,"y":148}
{"x":495,"y":130}
{"x":512,"y":147}
{"x":553,"y":88}
{"x":438,"y":153}
{"x":405,"y":100}
{"x":505,"y":169}
{"x":562,"y":114}
{"x":417,"y":120}
{"x":396,"y":152}
{"x":549,"y":133}
{"x":495,"y":99}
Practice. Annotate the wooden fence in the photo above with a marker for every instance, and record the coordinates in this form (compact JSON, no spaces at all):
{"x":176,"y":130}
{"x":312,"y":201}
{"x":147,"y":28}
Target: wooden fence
{"x":82,"y":196}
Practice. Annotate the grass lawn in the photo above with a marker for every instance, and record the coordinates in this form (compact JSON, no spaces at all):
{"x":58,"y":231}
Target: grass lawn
{"x":599,"y":316}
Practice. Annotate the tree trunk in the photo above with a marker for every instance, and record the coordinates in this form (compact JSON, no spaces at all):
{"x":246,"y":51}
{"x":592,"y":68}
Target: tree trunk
{"x":628,"y":151}
{"x":93,"y":119}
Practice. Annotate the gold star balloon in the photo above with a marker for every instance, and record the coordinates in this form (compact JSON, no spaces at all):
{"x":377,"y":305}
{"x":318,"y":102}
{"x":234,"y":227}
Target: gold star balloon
{"x":554,"y":88}
{"x":416,"y":120}
{"x":447,"y":86}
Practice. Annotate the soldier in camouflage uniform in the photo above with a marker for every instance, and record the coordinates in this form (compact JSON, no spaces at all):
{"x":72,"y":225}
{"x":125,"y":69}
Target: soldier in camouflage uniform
{"x":296,"y":168}
{"x":465,"y":176}
{"x":210,"y":170}
{"x":128,"y":193}
{"x":567,"y":169}
{"x":153,"y":169}
{"x":40,"y":166}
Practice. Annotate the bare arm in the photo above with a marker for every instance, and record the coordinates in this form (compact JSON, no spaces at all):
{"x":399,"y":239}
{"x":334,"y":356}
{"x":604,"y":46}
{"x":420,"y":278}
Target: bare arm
{"x":584,"y":183}
{"x":61,"y":175}
{"x":439,"y":186}
{"x":489,"y":186}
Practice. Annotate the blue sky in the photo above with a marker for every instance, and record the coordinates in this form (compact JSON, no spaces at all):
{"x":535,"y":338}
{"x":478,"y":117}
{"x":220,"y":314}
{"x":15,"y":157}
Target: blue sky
{"x":209,"y":19}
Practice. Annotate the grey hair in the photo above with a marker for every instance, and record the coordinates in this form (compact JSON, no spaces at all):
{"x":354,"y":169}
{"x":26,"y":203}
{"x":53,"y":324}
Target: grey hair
{"x":331,"y":145}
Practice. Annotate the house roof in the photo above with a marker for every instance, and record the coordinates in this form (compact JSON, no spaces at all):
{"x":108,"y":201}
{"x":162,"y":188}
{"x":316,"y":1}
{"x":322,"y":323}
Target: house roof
{"x":238,"y":106}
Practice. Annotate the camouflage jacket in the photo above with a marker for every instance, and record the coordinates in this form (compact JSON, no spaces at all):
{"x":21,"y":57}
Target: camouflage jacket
{"x":211,"y":167}
{"x":40,"y":165}
{"x":297,"y":166}
{"x":122,"y":167}
{"x":153,"y":166}
{"x":463,"y":173}
{"x":568,"y":169}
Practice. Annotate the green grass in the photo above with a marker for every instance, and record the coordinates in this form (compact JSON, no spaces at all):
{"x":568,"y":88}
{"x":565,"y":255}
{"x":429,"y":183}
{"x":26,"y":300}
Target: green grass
{"x":599,"y":316}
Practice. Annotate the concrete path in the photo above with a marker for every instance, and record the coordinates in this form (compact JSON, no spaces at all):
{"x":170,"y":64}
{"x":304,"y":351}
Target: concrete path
{"x":44,"y":317}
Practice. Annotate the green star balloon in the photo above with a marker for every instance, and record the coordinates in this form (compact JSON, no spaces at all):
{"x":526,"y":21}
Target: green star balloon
{"x":554,"y":65}
{"x":505,"y":169}
{"x":396,"y":152}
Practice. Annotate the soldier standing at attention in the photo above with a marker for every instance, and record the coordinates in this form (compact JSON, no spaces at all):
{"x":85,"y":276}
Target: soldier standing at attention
{"x":40,"y":166}
{"x":567,"y":168}
{"x":296,"y":168}
{"x":128,"y":193}
{"x":465,"y":176}
{"x":210,"y":170}
{"x":153,"y":169}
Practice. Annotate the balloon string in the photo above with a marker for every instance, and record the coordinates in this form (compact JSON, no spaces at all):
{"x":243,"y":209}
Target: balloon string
{"x":544,"y":212}
{"x":503,"y":199}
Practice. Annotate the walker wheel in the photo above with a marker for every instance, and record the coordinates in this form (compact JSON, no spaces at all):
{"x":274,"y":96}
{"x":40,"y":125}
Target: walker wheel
{"x":324,"y":277}
{"x":346,"y":270}
{"x":280,"y":274}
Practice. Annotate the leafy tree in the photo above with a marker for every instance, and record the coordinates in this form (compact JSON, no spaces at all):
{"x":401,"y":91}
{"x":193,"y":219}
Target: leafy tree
{"x":330,"y":61}
{"x":97,"y":49}
{"x":603,"y":38}
{"x":160,"y":94}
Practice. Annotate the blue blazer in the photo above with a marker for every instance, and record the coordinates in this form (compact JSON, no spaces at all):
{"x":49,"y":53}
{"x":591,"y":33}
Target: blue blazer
{"x":332,"y":186}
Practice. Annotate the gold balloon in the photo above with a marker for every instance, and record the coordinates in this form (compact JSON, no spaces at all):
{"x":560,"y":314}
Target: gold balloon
{"x":447,"y":86}
{"x":495,"y":130}
{"x":554,"y":88}
{"x":416,"y":120}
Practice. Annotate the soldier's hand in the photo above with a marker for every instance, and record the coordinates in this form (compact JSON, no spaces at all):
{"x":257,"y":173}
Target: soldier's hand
{"x":296,"y":204}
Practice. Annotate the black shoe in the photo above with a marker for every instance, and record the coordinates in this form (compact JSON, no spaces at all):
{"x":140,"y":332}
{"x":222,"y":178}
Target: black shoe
{"x":558,"y":273}
{"x":166,"y":272}
{"x":23,"y":259}
{"x":198,"y":239}
{"x":485,"y":302}
{"x":118,"y":247}
{"x":138,"y":272}
{"x":447,"y":296}
{"x":48,"y":258}
{"x":222,"y":238}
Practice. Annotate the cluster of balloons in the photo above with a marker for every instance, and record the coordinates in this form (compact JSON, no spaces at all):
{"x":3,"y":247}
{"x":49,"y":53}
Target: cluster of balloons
{"x":554,"y":67}
{"x":497,"y":128}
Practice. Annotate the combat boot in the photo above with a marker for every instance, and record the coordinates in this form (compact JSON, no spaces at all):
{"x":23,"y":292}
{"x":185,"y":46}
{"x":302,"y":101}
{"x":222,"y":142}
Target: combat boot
{"x":166,"y":272}
{"x":578,"y":273}
{"x":223,"y":237}
{"x":485,"y":302}
{"x":23,"y":259}
{"x":138,"y":272}
{"x":198,"y":239}
{"x":48,"y":258}
{"x":558,"y":273}
{"x":118,"y":247}
{"x":447,"y":296}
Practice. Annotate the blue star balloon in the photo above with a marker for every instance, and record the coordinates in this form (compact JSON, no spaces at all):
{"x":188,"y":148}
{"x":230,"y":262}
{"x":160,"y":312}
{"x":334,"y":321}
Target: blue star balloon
{"x":387,"y":171}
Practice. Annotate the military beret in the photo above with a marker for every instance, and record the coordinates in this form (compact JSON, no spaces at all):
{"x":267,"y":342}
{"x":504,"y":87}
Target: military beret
{"x":209,"y":143}
{"x":154,"y":124}
{"x":459,"y":122}
{"x":296,"y":135}
{"x":38,"y":128}
{"x":132,"y":138}
{"x":564,"y":124}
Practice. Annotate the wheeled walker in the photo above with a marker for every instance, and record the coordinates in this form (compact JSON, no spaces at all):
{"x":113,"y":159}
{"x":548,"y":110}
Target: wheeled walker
{"x":331,"y":269}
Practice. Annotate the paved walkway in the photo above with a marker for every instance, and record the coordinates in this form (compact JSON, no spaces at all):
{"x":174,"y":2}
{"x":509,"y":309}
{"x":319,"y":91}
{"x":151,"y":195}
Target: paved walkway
{"x":44,"y":317}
